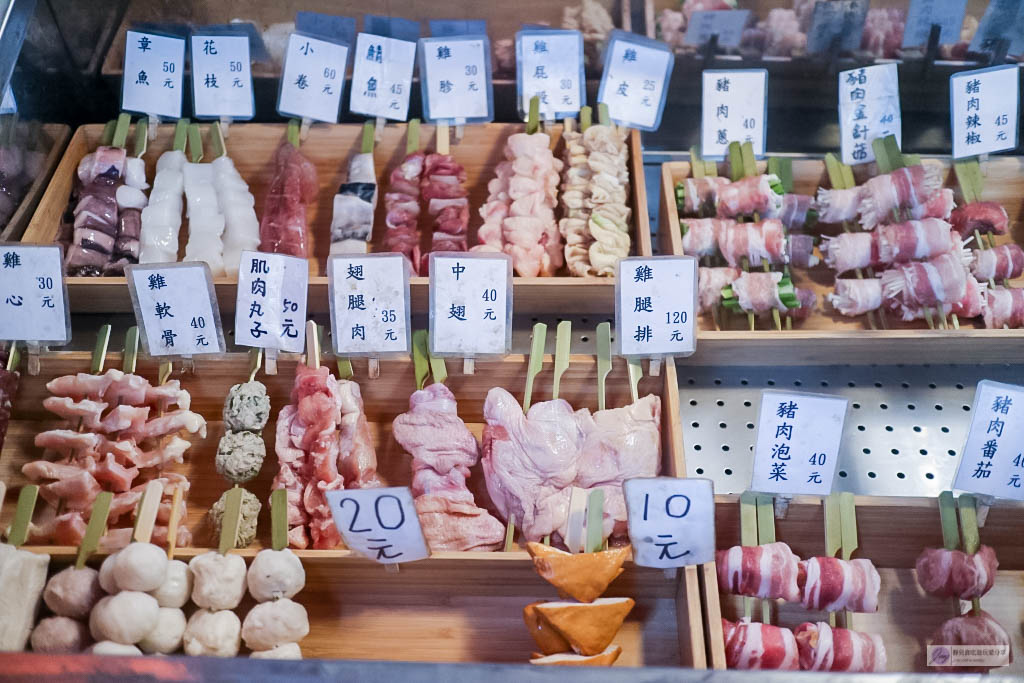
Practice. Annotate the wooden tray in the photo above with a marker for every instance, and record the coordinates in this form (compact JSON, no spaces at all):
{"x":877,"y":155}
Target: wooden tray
{"x":827,"y":337}
{"x":452,"y":607}
{"x":892,"y":532}
{"x":252,"y":147}
{"x":55,"y":137}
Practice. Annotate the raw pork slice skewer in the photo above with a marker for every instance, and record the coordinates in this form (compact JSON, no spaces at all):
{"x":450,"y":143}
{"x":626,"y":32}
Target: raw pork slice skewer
{"x":710,"y":282}
{"x":762,"y":571}
{"x":956,"y":574}
{"x":700,"y":236}
{"x":823,"y":648}
{"x":904,"y":188}
{"x":838,"y":205}
{"x":292,"y":188}
{"x":971,"y":629}
{"x":1004,"y":308}
{"x":902,"y":242}
{"x":760,"y":194}
{"x":831,"y":584}
{"x":700,"y":195}
{"x":1004,"y":262}
{"x":764,"y":241}
{"x":753,"y":646}
{"x":984,"y":217}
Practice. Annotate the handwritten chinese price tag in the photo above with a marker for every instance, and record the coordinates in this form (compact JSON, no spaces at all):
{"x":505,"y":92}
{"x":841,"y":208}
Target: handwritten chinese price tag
{"x":991,"y":462}
{"x":382,"y":77}
{"x":379,"y":523}
{"x":176,"y":308}
{"x":839,"y":21}
{"x":733,"y":108}
{"x":153,"y":67}
{"x":671,"y":521}
{"x":923,"y":14}
{"x":869,"y":108}
{"x":727,"y":25}
{"x":470,"y":304}
{"x":221,"y":77}
{"x":270,"y":308}
{"x":984,"y":110}
{"x":455,"y":78}
{"x":635,"y":80}
{"x":654,"y":304}
{"x":798,"y":439}
{"x":34,"y":306}
{"x":313,"y":78}
{"x":370,"y":304}
{"x":549,"y":65}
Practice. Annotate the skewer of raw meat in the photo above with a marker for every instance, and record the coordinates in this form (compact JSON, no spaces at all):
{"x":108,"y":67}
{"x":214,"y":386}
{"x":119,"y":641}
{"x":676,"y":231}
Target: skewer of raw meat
{"x":976,"y":629}
{"x":402,"y":201}
{"x":293,"y":187}
{"x":241,"y":226}
{"x":756,"y":194}
{"x":762,"y":571}
{"x":575,"y":198}
{"x":831,"y":584}
{"x":940,"y":280}
{"x":608,"y":159}
{"x":948,"y":573}
{"x":987,"y":218}
{"x":131,"y":200}
{"x":161,"y":219}
{"x":443,"y":188}
{"x":761,"y":292}
{"x":750,"y":645}
{"x":699,"y":196}
{"x":889,"y":244}
{"x":1004,"y":262}
{"x":205,"y":216}
{"x":1004,"y":307}
{"x":823,"y":648}
{"x":94,"y":226}
{"x":903,"y":189}
{"x":356,"y":201}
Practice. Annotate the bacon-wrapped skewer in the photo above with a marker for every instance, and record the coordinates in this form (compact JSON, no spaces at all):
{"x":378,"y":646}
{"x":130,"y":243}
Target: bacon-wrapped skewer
{"x":956,"y":574}
{"x":699,"y":196}
{"x":710,"y":283}
{"x":838,"y":205}
{"x":971,"y":629}
{"x":760,"y":194}
{"x":856,"y":296}
{"x":700,"y":235}
{"x":797,"y":211}
{"x":939,"y":205}
{"x":1004,"y":307}
{"x":983,"y":217}
{"x":801,"y":251}
{"x":761,"y":571}
{"x":902,"y":242}
{"x":850,"y":251}
{"x":750,"y":645}
{"x":904,"y":188}
{"x":761,"y":292}
{"x":941,"y":280}
{"x":823,"y":648}
{"x":831,"y":584}
{"x":1004,"y":262}
{"x":764,"y":241}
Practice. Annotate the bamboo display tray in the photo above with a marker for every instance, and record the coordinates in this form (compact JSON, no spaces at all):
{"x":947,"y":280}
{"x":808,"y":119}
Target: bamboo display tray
{"x":827,"y":337}
{"x":251,"y":147}
{"x":454,"y":606}
{"x":54,"y":137}
{"x":892,"y":532}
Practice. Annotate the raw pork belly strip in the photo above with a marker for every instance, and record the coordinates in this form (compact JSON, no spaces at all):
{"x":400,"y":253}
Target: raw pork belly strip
{"x":354,"y":204}
{"x":764,"y":241}
{"x":939,"y":205}
{"x":831,"y":584}
{"x":529,"y":233}
{"x":902,"y":242}
{"x":94,"y":229}
{"x":823,"y":648}
{"x":292,"y":188}
{"x":759,"y":293}
{"x":531,"y":461}
{"x":1004,"y":308}
{"x":838,"y":206}
{"x":442,"y":187}
{"x":1004,"y":262}
{"x":955,"y":574}
{"x":940,"y":280}
{"x":760,"y":571}
{"x":850,"y":251}
{"x":969,"y":629}
{"x":856,"y":297}
{"x":402,"y":209}
{"x":904,"y":188}
{"x":701,"y":194}
{"x":985,"y":217}
{"x":700,"y":236}
{"x":749,"y":196}
{"x":710,"y":282}
{"x":607,"y":158}
{"x":754,"y":646}
{"x":443,"y":450}
{"x":161,"y":219}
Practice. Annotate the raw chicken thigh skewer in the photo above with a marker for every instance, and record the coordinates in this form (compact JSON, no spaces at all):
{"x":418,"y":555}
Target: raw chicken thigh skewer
{"x":356,"y":201}
{"x":161,"y":219}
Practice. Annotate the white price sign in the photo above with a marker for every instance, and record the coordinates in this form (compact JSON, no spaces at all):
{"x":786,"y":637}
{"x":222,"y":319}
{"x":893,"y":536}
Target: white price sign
{"x":635,"y":80}
{"x":869,"y":108}
{"x":34,"y":297}
{"x":671,"y":521}
{"x":992,"y":460}
{"x":313,"y":78}
{"x":470,"y":304}
{"x":370,"y":304}
{"x":153,"y":67}
{"x":798,"y":439}
{"x":270,"y":307}
{"x":984,"y":110}
{"x":656,"y":297}
{"x":733,"y":109}
{"x":379,"y":523}
{"x":176,"y":308}
{"x":382,"y":77}
{"x":221,"y":77}
{"x":549,"y":65}
{"x":923,"y":14}
{"x":455,"y":78}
